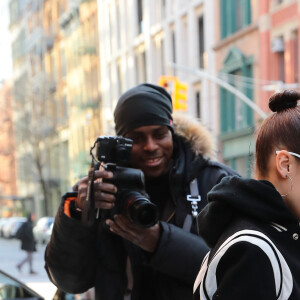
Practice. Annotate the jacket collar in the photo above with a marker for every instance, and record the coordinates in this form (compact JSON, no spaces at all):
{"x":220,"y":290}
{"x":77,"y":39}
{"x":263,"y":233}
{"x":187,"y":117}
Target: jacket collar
{"x":195,"y":133}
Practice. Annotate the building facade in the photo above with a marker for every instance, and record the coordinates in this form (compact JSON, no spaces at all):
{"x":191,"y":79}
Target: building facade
{"x":79,"y":25}
{"x":141,"y":40}
{"x":27,"y":55}
{"x":8,"y":187}
{"x":56,"y":95}
{"x":257,"y":50}
{"x":72,"y":59}
{"x":237,"y":63}
{"x":279,"y":45}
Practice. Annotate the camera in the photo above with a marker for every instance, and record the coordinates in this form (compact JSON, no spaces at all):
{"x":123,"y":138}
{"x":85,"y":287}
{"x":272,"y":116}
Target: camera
{"x":114,"y":149}
{"x":131,"y":198}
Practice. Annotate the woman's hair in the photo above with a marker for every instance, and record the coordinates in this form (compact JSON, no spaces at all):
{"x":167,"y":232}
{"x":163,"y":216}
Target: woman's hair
{"x":281,"y":130}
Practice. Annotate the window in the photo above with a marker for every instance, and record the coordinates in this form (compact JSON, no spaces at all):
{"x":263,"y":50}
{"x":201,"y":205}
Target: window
{"x":163,"y":9}
{"x":241,"y":164}
{"x":296,"y":50}
{"x":140,"y":15}
{"x":281,"y":66}
{"x":235,"y":114}
{"x":64,"y":108}
{"x":110,"y":24}
{"x":158,"y":57}
{"x":235,"y":15}
{"x":53,"y":67}
{"x":18,"y":46}
{"x":140,"y":65}
{"x":173,"y":49}
{"x":14,"y":11}
{"x":63,"y":62}
{"x":118,"y":18}
{"x":198,"y":105}
{"x":159,"y":12}
{"x":162,"y":57}
{"x":111,"y":81}
{"x":120,"y":83}
{"x":173,"y":46}
{"x":201,"y":42}
{"x":184,"y":38}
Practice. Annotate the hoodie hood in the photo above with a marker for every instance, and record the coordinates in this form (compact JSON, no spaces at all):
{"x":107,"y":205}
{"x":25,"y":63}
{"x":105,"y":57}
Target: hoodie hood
{"x":237,"y":197}
{"x":195,"y":133}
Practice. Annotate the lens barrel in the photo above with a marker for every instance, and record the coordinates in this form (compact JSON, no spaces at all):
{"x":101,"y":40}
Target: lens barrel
{"x":140,"y":209}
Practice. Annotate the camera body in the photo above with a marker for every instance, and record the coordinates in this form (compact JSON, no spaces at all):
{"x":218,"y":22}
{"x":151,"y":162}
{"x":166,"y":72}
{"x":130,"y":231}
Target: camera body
{"x":131,"y":198}
{"x":114,"y":149}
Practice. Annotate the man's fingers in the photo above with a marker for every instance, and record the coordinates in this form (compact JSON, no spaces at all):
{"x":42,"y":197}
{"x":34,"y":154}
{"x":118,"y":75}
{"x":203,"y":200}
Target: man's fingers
{"x":126,"y":229}
{"x":98,"y":175}
{"x":104,"y":186}
{"x":103,"y":174}
{"x":104,"y":204}
{"x":103,"y":192}
{"x":145,"y":238}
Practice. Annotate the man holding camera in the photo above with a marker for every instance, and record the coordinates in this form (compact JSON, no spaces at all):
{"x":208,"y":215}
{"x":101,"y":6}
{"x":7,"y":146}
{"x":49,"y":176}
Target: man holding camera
{"x":114,"y":253}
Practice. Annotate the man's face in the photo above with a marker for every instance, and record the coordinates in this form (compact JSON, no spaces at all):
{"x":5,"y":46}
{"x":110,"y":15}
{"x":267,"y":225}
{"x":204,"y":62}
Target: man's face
{"x":152,"y":149}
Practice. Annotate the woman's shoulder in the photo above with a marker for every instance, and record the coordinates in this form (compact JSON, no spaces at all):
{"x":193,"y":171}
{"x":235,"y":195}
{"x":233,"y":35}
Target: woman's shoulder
{"x":240,"y":228}
{"x":245,"y":251}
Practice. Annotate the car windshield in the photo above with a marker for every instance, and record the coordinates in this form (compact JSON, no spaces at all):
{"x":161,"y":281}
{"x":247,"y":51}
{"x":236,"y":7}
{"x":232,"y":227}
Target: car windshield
{"x":12,"y":289}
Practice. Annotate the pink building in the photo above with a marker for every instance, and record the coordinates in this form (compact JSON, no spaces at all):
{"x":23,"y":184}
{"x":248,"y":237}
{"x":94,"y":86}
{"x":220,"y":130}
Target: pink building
{"x":8,"y":188}
{"x":256,"y":50}
{"x":279,"y":44}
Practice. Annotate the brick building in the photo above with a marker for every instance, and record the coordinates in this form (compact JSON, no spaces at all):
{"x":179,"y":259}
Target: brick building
{"x":8,"y":187}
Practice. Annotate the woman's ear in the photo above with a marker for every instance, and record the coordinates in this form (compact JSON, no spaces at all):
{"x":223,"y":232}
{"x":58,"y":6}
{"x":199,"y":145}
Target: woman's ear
{"x":283,"y":163}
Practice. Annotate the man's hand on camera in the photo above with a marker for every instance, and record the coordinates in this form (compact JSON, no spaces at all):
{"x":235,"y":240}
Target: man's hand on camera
{"x":145,"y":238}
{"x":103,"y":192}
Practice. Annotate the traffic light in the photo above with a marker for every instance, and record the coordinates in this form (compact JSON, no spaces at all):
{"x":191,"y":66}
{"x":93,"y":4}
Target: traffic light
{"x":178,"y":90}
{"x":164,"y":81}
{"x":179,"y":95}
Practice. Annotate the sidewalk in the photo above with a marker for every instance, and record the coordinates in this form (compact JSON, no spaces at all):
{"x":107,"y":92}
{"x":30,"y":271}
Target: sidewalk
{"x":10,"y":254}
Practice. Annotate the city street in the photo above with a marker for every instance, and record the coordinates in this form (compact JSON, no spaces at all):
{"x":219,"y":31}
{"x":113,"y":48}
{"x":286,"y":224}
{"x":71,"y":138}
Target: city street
{"x":11,"y":254}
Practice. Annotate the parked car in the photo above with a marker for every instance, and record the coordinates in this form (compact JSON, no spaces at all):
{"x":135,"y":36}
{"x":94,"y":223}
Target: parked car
{"x":48,"y":233}
{"x":40,"y":230}
{"x":13,"y":289}
{"x":12,"y":225}
{"x":2,"y":223}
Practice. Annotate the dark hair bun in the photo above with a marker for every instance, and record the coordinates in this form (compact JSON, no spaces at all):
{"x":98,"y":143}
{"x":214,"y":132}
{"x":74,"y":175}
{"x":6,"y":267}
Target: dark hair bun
{"x":281,"y":101}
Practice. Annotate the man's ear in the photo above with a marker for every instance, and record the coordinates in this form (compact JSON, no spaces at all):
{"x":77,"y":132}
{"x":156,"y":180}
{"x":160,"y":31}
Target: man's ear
{"x":283,"y":163}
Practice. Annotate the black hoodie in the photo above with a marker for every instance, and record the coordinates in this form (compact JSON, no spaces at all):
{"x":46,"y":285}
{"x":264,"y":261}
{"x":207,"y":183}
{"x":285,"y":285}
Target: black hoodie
{"x":255,"y":243}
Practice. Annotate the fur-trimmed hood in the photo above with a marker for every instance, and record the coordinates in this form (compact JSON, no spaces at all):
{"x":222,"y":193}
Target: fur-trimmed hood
{"x":192,"y":130}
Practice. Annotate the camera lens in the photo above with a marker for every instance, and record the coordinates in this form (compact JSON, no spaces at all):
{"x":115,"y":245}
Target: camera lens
{"x":141,"y":210}
{"x":123,"y":157}
{"x":128,"y":177}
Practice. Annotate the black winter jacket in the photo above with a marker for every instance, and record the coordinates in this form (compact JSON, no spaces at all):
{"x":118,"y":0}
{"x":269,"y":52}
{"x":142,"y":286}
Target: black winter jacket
{"x":255,"y":244}
{"x":80,"y":257}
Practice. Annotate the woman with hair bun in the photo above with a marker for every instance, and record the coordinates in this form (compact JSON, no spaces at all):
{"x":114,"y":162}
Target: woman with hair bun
{"x":252,"y":225}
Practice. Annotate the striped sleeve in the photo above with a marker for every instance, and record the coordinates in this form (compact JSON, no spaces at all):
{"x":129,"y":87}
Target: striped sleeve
{"x":246,"y":266}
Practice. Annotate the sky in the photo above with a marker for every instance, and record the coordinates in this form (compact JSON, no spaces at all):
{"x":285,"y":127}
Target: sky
{"x":5,"y":42}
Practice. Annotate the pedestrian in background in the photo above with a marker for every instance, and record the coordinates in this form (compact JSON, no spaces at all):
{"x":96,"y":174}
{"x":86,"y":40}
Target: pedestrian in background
{"x":253,"y":225}
{"x":28,"y":244}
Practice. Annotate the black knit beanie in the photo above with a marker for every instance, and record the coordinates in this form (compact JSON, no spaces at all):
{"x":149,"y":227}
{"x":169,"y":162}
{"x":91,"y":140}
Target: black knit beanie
{"x":143,"y":105}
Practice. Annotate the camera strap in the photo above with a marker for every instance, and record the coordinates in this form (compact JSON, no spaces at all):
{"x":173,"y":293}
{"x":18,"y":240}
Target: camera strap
{"x":88,"y":210}
{"x":193,"y":198}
